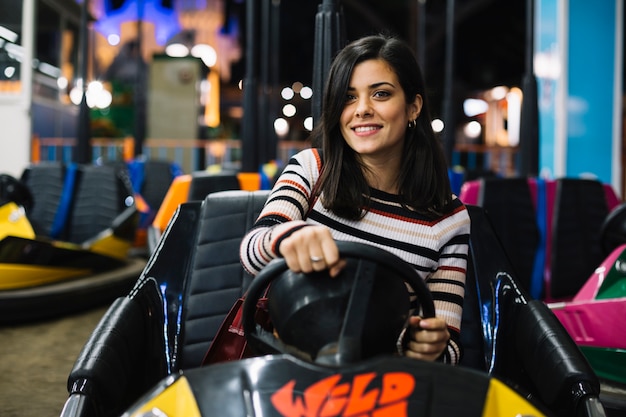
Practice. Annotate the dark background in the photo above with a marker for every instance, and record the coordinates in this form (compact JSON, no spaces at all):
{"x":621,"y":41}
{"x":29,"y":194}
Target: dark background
{"x":489,"y":41}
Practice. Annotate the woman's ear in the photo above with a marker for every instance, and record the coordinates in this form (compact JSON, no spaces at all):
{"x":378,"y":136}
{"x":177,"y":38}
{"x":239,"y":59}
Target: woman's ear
{"x":415,"y":108}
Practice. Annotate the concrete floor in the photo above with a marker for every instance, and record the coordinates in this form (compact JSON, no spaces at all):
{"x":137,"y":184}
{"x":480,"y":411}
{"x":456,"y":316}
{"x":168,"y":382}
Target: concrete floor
{"x":35,"y":360}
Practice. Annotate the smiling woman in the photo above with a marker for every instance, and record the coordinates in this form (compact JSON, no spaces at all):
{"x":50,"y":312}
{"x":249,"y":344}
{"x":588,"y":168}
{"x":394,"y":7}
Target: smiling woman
{"x":379,"y":178}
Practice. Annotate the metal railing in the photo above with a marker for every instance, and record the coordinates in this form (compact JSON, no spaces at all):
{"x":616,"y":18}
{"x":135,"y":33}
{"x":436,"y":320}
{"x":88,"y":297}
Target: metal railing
{"x":190,"y":155}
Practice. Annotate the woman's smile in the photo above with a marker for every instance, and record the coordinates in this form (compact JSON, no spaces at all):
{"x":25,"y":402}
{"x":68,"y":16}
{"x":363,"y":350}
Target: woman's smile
{"x":366,"y":130}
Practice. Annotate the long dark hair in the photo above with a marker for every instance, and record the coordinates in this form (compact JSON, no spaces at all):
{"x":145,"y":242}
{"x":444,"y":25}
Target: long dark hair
{"x":423,"y":179}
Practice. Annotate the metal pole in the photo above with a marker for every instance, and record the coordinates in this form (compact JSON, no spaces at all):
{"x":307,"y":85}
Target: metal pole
{"x":20,"y":154}
{"x":264,"y":111}
{"x":421,"y":35}
{"x":83,"y":147}
{"x":140,"y":85}
{"x":329,"y":38}
{"x":274,"y":77}
{"x":529,"y":123}
{"x":250,"y":147}
{"x":448,"y":101}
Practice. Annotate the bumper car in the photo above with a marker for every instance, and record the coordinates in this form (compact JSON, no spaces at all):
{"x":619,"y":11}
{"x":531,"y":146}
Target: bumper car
{"x":144,"y":357}
{"x":591,"y":315}
{"x":335,"y":353}
{"x":65,"y":236}
{"x":573,"y":265}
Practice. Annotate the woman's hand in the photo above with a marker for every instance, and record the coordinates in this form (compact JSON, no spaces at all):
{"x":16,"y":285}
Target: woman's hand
{"x":428,"y":338}
{"x":312,"y":248}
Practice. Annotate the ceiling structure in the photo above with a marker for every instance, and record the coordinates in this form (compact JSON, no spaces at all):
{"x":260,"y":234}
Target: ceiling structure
{"x":489,"y":42}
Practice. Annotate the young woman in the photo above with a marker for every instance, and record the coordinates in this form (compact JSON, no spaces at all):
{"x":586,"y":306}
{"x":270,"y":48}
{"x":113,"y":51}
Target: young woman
{"x":380,"y":178}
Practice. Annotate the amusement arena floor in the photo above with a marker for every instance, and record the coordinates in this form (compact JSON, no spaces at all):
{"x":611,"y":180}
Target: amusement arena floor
{"x":35,"y":360}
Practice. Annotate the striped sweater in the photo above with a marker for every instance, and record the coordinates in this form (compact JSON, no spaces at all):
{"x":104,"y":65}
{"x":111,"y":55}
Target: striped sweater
{"x":437,"y":248}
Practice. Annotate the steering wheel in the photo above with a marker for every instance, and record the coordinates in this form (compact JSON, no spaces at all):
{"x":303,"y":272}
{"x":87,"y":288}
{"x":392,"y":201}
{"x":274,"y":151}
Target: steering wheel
{"x":12,"y":189}
{"x":371,"y":275}
{"x":613,"y":230}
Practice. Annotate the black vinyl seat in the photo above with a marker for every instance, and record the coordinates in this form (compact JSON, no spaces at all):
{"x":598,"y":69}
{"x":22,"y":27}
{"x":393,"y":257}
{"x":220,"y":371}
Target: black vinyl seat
{"x":509,"y":203}
{"x":216,"y":278}
{"x":579,"y":211}
{"x":45,"y":181}
{"x":169,"y":319}
{"x":204,"y":183}
{"x":103,"y":193}
{"x":157,"y":177}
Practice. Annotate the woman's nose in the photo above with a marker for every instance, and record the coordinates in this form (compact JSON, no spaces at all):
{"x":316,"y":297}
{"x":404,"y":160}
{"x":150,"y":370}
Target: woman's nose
{"x":363,"y":108}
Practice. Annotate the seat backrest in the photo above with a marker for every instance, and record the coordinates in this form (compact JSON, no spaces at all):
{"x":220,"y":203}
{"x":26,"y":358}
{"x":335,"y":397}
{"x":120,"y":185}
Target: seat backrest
{"x":103,"y":192}
{"x":216,"y":278}
{"x":580,"y":208}
{"x":192,"y":187}
{"x":157,"y":177}
{"x":512,"y":207}
{"x":45,"y":180}
{"x":204,"y":183}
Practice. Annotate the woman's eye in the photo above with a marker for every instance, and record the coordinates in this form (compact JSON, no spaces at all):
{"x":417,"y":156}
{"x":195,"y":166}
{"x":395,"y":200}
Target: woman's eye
{"x":381,"y":94}
{"x":350,"y":97}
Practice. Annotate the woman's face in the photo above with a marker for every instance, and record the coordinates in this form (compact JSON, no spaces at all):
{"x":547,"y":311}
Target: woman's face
{"x":376,"y":114}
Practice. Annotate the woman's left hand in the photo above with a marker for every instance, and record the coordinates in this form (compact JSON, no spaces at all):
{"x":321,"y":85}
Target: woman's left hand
{"x":428,"y":338}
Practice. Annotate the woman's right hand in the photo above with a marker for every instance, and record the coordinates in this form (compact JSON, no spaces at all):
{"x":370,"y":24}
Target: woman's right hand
{"x":311,"y":248}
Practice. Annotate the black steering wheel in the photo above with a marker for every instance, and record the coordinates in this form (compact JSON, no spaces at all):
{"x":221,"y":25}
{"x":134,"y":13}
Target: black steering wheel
{"x":12,"y":189}
{"x":371,"y":275}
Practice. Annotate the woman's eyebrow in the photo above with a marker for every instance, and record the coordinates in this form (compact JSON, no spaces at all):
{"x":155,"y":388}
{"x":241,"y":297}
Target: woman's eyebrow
{"x":375,"y":85}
